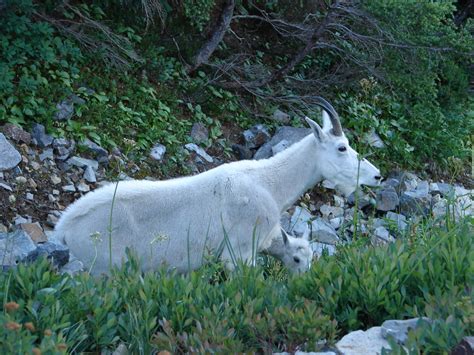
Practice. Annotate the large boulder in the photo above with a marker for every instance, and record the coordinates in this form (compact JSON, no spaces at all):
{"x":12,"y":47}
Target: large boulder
{"x":290,"y":134}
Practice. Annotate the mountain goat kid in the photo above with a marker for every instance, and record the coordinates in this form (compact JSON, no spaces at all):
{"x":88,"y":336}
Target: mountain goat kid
{"x":234,"y":208}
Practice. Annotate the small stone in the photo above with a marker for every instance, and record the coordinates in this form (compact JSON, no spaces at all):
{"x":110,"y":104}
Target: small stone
{"x":55,"y":179}
{"x":89,"y":175}
{"x":20,"y":219}
{"x":29,"y":196}
{"x":83,"y":187}
{"x":338,"y":201}
{"x":411,"y":204}
{"x":242,"y":152}
{"x":199,"y":133}
{"x":21,"y":180}
{"x":35,"y":232}
{"x":72,"y":267}
{"x":51,"y":198}
{"x":256,"y":136}
{"x":63,"y":147}
{"x":158,"y":151}
{"x":65,"y":110}
{"x":323,"y":232}
{"x":83,"y":162}
{"x":9,"y":156}
{"x":336,"y":222}
{"x":100,"y":153}
{"x":199,"y":151}
{"x":52,"y":219}
{"x":363,"y":199}
{"x":299,"y":221}
{"x":69,"y":188}
{"x":40,"y":138}
{"x":320,"y":248}
{"x":281,"y":117}
{"x":386,"y":199}
{"x":35,"y":165}
{"x":55,"y":192}
{"x":383,"y":234}
{"x":12,"y":199}
{"x":328,"y":184}
{"x":5,"y":186}
{"x":374,"y":140}
{"x":32,"y":183}
{"x":398,"y":329}
{"x":400,"y":220}
{"x":47,"y":154}
{"x":329,"y":212}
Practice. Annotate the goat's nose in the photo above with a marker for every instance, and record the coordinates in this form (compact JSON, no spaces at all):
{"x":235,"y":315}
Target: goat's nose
{"x":377,"y":177}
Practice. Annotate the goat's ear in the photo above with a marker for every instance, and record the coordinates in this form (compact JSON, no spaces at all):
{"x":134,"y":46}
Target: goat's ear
{"x":317,"y":130}
{"x":327,"y":124}
{"x":284,"y":236}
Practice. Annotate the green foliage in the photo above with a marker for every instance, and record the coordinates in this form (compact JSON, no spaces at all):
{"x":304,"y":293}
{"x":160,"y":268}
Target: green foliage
{"x":426,"y":102}
{"x":36,"y":66}
{"x":198,"y":12}
{"x":362,"y":287}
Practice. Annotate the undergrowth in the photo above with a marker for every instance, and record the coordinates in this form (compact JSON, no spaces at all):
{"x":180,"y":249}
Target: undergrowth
{"x":250,"y":309}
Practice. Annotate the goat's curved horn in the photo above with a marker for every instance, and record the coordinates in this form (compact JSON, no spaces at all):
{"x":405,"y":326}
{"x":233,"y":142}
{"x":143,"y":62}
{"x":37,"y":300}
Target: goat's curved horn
{"x":336,"y":124}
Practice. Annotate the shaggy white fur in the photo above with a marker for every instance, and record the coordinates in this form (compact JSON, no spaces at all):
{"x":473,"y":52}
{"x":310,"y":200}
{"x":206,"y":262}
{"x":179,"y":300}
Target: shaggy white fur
{"x":233,"y":209}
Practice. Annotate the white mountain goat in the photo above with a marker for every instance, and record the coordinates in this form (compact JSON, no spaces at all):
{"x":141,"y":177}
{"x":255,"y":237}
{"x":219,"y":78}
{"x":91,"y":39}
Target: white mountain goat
{"x":233,"y":209}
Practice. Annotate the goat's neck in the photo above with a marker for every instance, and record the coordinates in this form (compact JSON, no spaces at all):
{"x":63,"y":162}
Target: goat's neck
{"x":290,"y":173}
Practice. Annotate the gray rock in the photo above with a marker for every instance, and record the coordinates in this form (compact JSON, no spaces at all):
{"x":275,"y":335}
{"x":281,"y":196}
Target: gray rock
{"x":100,"y":153}
{"x":281,"y":117}
{"x":34,"y":231}
{"x":30,"y":196}
{"x":51,"y":219}
{"x":400,"y":220}
{"x":16,"y":133}
{"x":199,"y":151}
{"x":40,"y":138}
{"x":398,"y":329}
{"x":323,"y":232}
{"x":199,"y":133}
{"x":9,"y":156}
{"x":73,"y":267}
{"x":411,"y":204}
{"x":320,"y":248}
{"x":5,"y":186}
{"x":336,"y":222}
{"x":57,"y":253}
{"x":15,"y":247}
{"x":20,"y":220}
{"x":46,"y":154}
{"x":374,"y":140}
{"x":290,"y":134}
{"x":369,"y":342}
{"x":383,"y":234}
{"x":330,"y":212}
{"x":363,"y":200}
{"x":386,"y":199}
{"x":256,"y":136}
{"x":242,"y":152}
{"x":83,"y":187}
{"x":89,"y":174}
{"x":277,"y":148}
{"x":158,"y":151}
{"x":63,"y":147}
{"x":69,"y":188}
{"x":83,"y":162}
{"x":299,"y":221}
{"x":65,"y":110}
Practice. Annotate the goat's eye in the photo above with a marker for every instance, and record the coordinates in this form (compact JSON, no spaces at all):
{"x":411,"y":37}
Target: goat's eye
{"x":296,"y":259}
{"x":342,"y":148}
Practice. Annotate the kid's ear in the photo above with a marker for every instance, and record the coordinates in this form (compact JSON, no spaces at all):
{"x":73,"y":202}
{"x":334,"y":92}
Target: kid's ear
{"x":317,"y":130}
